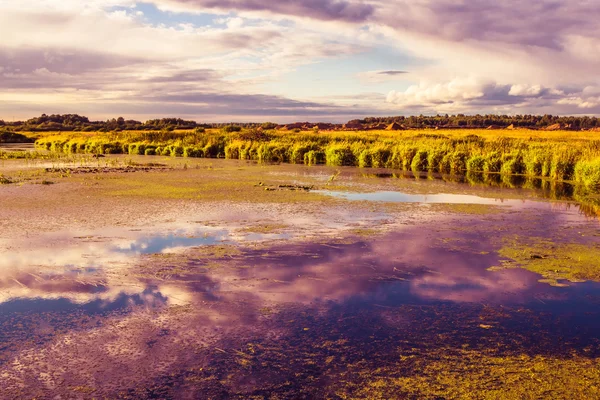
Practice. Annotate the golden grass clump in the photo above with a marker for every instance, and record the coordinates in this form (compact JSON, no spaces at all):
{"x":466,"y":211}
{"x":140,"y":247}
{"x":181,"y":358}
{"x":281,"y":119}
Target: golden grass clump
{"x":555,"y":155}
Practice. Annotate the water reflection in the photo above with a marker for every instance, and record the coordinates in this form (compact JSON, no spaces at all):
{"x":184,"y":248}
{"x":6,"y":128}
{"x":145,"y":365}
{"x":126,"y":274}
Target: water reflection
{"x":288,"y":306}
{"x":87,"y":251}
{"x":587,"y":199}
{"x":160,"y":244}
{"x":147,"y":298}
{"x":17,"y":146}
{"x":399,"y":197}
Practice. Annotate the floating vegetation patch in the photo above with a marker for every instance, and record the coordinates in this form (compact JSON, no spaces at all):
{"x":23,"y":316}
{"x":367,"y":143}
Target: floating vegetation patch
{"x":473,"y":209}
{"x":101,"y":170}
{"x":554,"y":261}
{"x":273,"y":188}
{"x":4,"y":180}
{"x":470,"y":374}
{"x":264,"y":228}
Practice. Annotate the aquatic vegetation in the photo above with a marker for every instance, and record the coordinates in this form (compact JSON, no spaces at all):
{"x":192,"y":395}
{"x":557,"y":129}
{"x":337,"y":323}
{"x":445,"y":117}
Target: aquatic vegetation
{"x":210,"y":185}
{"x":554,"y":261}
{"x":588,"y":173}
{"x":536,"y":155}
{"x":265,"y":228}
{"x":4,"y":180}
{"x":28,"y":155}
{"x":475,"y":375}
{"x":473,"y":209}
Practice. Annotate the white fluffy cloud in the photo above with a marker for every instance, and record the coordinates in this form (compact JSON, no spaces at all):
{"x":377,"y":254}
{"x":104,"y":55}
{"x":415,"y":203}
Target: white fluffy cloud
{"x":525,"y":90}
{"x":457,"y":90}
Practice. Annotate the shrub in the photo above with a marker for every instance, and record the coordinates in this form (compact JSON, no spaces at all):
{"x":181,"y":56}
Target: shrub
{"x":231,"y":129}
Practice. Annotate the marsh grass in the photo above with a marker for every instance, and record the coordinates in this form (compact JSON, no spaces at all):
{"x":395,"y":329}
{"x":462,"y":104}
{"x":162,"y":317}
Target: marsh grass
{"x":4,"y":180}
{"x":265,"y":228}
{"x":557,"y":156}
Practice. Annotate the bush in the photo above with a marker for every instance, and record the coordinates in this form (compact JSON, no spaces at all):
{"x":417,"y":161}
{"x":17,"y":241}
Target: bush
{"x":268,"y":126}
{"x":231,"y":129}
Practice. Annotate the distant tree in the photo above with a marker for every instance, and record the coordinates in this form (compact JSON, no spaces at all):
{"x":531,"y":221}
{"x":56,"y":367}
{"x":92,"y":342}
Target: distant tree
{"x":269,"y":125}
{"x":232,"y":128}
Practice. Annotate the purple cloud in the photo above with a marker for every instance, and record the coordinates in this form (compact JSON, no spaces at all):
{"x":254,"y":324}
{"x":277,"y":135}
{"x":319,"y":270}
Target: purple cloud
{"x":62,"y":61}
{"x":541,"y":23}
{"x":392,"y":73}
{"x":318,"y":9}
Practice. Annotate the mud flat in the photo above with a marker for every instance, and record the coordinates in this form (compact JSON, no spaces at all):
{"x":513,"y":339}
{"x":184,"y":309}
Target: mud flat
{"x":163,"y":278}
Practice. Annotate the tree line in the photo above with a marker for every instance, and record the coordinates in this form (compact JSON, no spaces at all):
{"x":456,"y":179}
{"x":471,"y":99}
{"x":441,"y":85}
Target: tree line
{"x":74,"y":122}
{"x":486,"y":121}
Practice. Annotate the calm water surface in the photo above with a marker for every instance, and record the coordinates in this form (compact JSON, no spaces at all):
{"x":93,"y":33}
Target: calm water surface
{"x":205,"y":312}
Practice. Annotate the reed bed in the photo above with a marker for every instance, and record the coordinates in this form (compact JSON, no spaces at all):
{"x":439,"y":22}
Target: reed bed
{"x":560,"y":157}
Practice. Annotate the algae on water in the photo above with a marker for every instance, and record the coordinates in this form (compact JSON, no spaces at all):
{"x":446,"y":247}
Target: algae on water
{"x":554,"y":261}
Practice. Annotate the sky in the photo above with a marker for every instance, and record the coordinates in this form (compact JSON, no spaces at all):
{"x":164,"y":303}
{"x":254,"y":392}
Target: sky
{"x":298,"y":60}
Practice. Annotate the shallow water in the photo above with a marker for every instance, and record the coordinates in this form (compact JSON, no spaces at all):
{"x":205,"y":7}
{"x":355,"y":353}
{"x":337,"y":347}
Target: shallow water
{"x":187,"y":310}
{"x":17,"y":146}
{"x":401,"y":289}
{"x":399,"y":197}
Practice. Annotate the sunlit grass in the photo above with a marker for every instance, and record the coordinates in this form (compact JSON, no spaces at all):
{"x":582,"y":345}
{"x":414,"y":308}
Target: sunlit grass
{"x":553,"y":261}
{"x":474,"y":375}
{"x":556,"y":155}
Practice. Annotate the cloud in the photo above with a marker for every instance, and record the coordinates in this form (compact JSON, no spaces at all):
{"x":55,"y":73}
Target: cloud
{"x":473,"y":95}
{"x":579,"y":102}
{"x":192,"y":76}
{"x":349,"y":11}
{"x":429,"y":94}
{"x":471,"y":56}
{"x":60,"y":60}
{"x":541,"y":23}
{"x":392,"y":73}
{"x":525,"y":90}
